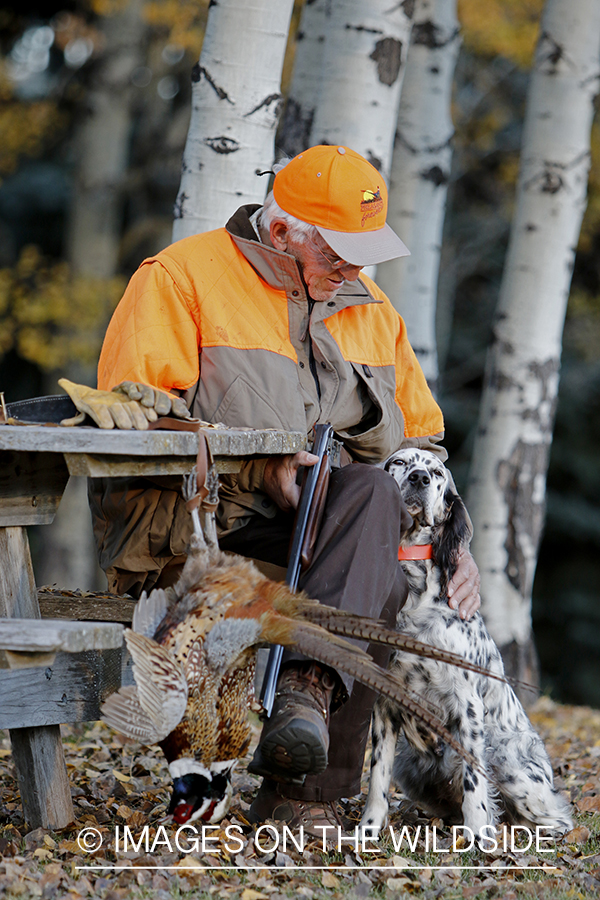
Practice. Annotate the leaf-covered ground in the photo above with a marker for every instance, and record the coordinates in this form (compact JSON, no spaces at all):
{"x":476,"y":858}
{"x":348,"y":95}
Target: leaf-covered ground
{"x":119,"y":784}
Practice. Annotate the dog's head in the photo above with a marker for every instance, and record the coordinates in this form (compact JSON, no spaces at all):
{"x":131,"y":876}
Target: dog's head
{"x":433,"y":503}
{"x":423,"y":482}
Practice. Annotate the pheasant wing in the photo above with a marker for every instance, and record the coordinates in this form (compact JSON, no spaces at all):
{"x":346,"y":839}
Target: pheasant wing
{"x":123,"y":712}
{"x":161,"y":684}
{"x":149,"y":612}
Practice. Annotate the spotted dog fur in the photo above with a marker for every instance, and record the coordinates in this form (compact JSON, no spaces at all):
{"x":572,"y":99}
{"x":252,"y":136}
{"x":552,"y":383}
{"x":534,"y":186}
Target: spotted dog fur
{"x":483,"y":714}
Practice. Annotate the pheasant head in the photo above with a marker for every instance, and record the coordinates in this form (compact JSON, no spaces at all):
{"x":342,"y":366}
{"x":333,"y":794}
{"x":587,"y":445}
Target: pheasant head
{"x":200,"y":793}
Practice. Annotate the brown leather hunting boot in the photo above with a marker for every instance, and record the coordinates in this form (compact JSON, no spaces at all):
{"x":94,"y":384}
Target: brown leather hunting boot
{"x":270,"y":803}
{"x":295,"y":739}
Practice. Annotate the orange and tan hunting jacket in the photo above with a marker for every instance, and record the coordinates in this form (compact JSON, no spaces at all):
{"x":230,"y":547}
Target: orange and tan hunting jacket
{"x":224,"y":320}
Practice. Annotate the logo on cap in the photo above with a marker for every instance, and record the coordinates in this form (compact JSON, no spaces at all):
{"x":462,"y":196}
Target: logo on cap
{"x":371,"y":204}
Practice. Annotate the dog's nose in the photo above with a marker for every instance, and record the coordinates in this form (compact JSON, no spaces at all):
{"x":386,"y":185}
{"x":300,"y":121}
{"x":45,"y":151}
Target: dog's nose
{"x":419,"y":477}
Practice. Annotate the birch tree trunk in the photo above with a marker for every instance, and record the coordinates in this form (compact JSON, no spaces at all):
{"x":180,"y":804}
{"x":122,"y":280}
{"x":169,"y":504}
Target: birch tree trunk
{"x":236,"y":100}
{"x":68,"y":552}
{"x":307,"y":78}
{"x":508,"y":476}
{"x":363,"y":66}
{"x":420,"y":174}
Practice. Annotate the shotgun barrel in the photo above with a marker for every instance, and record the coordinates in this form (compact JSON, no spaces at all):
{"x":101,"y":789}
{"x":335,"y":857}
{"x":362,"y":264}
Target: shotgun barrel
{"x":308,"y":518}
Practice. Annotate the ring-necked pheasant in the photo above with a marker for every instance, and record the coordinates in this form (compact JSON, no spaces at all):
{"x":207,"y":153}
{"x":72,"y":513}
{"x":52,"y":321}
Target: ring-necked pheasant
{"x":194,"y":650}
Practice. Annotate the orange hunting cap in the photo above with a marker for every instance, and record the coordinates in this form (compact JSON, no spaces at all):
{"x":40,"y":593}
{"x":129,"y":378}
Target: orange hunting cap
{"x":345,"y":198}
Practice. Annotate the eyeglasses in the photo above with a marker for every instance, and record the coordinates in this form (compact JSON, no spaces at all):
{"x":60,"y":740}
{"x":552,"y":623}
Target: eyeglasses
{"x":334,"y":262}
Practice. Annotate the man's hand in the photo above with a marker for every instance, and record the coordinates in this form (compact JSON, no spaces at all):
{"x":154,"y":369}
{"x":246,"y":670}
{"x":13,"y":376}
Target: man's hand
{"x":463,"y":590}
{"x":279,"y":479}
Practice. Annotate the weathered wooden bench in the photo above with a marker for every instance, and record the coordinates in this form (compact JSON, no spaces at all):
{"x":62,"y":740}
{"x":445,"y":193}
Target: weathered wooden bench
{"x":85,"y":606}
{"x":36,"y":462}
{"x":52,"y":671}
{"x":33,"y":642}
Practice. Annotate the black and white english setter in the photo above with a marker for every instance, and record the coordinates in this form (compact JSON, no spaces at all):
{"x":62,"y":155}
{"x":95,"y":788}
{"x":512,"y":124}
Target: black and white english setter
{"x":482,"y":713}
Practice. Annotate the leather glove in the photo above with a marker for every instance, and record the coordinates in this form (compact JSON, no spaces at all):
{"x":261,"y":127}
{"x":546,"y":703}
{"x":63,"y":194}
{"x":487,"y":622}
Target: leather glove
{"x":152,"y":399}
{"x":106,"y":408}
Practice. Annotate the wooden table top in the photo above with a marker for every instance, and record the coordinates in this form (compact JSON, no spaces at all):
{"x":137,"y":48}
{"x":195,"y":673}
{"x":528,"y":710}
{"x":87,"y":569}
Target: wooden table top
{"x":37,"y":460}
{"x":84,"y":439}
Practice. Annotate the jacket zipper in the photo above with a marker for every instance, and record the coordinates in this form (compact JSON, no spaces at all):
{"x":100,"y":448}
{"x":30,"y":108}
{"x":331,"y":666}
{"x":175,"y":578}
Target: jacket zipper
{"x":311,"y":356}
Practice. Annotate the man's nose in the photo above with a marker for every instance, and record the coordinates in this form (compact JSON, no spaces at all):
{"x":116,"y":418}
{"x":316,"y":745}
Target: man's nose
{"x":351,"y":272}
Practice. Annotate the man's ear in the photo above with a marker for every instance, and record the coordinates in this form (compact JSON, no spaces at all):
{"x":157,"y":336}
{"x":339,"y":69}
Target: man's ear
{"x":278,"y":232}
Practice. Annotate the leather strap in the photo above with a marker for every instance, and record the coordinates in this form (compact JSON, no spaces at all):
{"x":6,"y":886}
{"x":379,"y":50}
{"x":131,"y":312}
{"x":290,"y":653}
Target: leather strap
{"x":170,"y":423}
{"x":204,"y":461}
{"x":420,"y":551}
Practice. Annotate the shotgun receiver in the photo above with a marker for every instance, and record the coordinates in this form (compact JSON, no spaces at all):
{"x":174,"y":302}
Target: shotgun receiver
{"x":306,"y":528}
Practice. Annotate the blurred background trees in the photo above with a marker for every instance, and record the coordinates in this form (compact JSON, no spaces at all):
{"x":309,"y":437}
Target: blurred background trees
{"x":420,"y":175}
{"x":516,"y":418}
{"x":489,"y":143}
{"x":95,"y":112}
{"x":236,"y":103}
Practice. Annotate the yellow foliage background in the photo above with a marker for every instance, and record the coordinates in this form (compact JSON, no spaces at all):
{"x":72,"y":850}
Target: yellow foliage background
{"x":26,"y":129}
{"x":506,"y":28}
{"x":51,"y":316}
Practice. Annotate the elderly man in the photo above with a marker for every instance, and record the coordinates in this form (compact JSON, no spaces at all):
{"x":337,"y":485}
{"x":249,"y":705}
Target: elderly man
{"x":266,"y":323}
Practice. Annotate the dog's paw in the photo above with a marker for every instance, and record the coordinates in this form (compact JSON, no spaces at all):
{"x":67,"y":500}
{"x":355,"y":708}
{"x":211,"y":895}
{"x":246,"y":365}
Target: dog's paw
{"x":371,"y":826}
{"x":480,"y":834}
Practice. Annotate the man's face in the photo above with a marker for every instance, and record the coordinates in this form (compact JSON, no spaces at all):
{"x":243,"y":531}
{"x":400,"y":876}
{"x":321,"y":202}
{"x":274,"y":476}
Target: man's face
{"x":320,"y":267}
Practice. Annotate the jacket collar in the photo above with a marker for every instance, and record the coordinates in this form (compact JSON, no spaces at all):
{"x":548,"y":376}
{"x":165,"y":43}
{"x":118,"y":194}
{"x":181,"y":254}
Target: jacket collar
{"x":280,"y":270}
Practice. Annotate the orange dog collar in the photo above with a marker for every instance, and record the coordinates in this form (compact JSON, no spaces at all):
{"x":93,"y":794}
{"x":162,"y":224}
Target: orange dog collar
{"x":420,"y":551}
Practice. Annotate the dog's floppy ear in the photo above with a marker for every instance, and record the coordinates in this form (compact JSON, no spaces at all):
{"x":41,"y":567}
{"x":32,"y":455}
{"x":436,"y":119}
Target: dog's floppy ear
{"x":448,"y":537}
{"x":391,"y":459}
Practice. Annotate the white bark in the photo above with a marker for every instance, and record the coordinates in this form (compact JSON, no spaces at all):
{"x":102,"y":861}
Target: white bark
{"x":508,"y":476}
{"x":236,"y":101}
{"x":363,"y":66}
{"x":420,"y":174}
{"x":307,"y":78}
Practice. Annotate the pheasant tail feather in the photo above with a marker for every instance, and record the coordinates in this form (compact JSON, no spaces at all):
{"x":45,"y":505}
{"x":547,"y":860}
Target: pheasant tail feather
{"x":360,"y":666}
{"x":351,"y":625}
{"x":362,"y":628}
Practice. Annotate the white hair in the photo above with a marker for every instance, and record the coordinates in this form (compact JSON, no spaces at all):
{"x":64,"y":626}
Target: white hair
{"x":300,"y":231}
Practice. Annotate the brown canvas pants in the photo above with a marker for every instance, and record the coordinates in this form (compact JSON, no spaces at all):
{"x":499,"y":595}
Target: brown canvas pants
{"x":355,"y":567}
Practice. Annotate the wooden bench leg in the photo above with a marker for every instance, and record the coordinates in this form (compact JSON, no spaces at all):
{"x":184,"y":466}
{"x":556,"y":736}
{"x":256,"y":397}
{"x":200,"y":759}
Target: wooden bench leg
{"x":37,"y":752}
{"x":42,"y":774}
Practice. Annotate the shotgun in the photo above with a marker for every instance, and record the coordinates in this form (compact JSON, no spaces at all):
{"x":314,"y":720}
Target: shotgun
{"x":306,"y":527}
